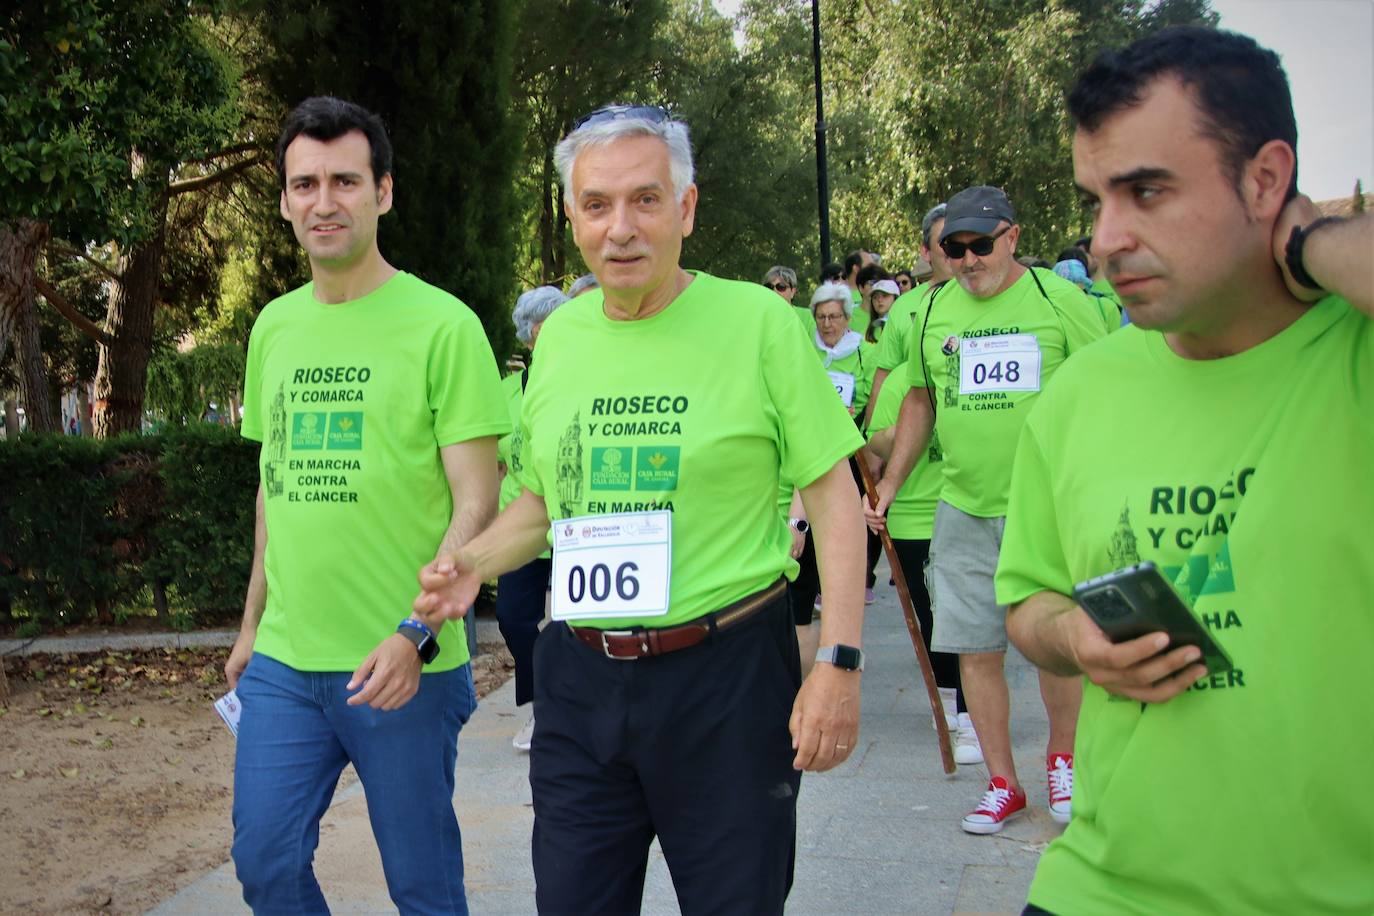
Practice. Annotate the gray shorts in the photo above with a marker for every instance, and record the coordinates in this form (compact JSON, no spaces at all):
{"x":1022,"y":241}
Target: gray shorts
{"x":963,"y":558}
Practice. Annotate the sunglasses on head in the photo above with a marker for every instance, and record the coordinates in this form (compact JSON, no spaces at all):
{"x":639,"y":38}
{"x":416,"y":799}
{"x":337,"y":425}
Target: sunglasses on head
{"x":654,"y":113}
{"x":778,"y":287}
{"x":981,"y":246}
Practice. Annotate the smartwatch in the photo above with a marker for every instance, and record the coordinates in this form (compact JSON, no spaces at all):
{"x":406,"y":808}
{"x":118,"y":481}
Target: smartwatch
{"x":846,"y":658}
{"x":799,"y":525}
{"x":422,"y":636}
{"x":1292,"y":252}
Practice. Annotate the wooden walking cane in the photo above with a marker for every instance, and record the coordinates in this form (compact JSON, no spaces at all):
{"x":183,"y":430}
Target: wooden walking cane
{"x":913,"y":626}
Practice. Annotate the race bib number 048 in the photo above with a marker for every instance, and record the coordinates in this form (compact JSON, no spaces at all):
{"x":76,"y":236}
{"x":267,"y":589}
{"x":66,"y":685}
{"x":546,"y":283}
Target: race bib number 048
{"x":612,"y":565}
{"x":1005,"y":362}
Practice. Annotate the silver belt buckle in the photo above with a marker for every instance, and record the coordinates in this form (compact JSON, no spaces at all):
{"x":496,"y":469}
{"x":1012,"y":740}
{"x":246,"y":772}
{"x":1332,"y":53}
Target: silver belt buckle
{"x":606,"y":647}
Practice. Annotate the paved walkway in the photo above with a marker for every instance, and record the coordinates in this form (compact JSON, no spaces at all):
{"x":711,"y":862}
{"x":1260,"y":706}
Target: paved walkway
{"x":878,"y":835}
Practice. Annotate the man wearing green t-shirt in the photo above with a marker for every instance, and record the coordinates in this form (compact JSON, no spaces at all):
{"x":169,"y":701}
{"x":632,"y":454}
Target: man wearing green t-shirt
{"x":378,"y":405}
{"x":982,"y":348}
{"x":893,"y":349}
{"x":1241,"y":468}
{"x":658,"y":420}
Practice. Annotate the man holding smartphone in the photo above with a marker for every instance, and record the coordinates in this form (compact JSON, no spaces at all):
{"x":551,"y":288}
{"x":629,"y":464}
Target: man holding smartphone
{"x":1242,"y":469}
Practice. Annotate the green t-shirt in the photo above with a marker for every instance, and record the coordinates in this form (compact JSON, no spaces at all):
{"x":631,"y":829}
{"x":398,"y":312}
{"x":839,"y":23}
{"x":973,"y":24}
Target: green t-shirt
{"x":911,"y":517}
{"x":853,"y":372}
{"x":808,"y":321}
{"x":697,"y":409}
{"x":352,"y":403}
{"x":894,"y":346}
{"x":858,"y":321}
{"x":979,"y":412}
{"x":1250,"y":479}
{"x":512,"y":386}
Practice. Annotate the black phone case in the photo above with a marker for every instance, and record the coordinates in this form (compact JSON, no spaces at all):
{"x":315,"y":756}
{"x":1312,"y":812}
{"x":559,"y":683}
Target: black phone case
{"x":1129,"y":603}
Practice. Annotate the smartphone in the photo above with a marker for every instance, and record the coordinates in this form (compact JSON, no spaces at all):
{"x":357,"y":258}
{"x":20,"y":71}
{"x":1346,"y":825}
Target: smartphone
{"x":1129,"y":603}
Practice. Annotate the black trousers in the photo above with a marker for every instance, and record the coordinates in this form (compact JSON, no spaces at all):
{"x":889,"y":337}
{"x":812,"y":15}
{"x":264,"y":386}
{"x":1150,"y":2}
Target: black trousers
{"x":691,"y":747}
{"x":519,"y":611}
{"x":912,"y":556}
{"x":802,"y":591}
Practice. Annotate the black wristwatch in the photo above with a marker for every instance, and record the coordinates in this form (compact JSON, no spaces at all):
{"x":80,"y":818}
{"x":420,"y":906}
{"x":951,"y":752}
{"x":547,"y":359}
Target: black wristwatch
{"x":1292,"y":252}
{"x":799,"y":525}
{"x":846,"y":658}
{"x":422,"y":636}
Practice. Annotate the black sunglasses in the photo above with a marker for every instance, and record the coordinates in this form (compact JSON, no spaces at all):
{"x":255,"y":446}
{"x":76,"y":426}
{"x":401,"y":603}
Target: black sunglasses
{"x":778,"y":287}
{"x":981,"y":246}
{"x":654,"y":113}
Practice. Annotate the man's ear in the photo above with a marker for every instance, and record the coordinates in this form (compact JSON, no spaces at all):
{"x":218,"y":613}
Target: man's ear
{"x":285,"y":211}
{"x":384,"y":199}
{"x":1265,"y":181}
{"x":689,"y":209}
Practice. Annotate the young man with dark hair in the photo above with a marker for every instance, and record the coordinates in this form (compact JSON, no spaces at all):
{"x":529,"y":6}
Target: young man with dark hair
{"x":1241,"y":470}
{"x":378,"y":404}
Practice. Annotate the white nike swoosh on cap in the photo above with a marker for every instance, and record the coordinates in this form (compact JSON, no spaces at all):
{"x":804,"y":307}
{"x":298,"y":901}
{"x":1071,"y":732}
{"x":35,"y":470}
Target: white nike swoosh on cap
{"x":987,"y":208}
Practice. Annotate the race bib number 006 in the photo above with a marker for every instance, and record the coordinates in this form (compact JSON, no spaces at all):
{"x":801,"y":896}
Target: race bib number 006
{"x":612,"y":565}
{"x":1005,"y":362}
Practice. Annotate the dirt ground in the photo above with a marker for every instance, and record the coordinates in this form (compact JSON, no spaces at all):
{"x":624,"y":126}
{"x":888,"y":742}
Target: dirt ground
{"x":116,"y":775}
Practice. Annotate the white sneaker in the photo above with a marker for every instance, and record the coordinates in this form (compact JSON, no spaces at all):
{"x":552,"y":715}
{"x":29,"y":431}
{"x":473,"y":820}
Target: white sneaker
{"x":949,"y":699}
{"x":967,"y":750}
{"x":1059,"y":770}
{"x":524,"y":736}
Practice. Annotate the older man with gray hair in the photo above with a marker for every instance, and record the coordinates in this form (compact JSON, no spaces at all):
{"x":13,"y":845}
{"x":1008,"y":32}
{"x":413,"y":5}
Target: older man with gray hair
{"x":657,"y":422}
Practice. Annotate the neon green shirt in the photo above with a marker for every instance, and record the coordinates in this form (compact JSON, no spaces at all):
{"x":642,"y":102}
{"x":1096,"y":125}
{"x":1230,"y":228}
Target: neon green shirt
{"x":859,"y":320}
{"x":911,"y":517}
{"x":894,"y":346}
{"x":1248,"y":479}
{"x":979,"y":413}
{"x":854,"y":371}
{"x":698,"y":409}
{"x":808,"y":321}
{"x":352,"y":403}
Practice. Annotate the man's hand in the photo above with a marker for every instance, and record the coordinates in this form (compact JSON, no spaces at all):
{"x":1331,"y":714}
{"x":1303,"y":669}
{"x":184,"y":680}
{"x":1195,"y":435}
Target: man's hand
{"x":448,"y":587}
{"x":389,"y":676}
{"x":1133,"y":669}
{"x":825,"y":718}
{"x":1300,"y":211}
{"x":239,"y":656}
{"x":876,"y":516}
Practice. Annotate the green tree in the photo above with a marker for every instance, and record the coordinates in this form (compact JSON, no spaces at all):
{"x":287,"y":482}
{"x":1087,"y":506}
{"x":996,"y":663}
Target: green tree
{"x":438,"y":73}
{"x":130,"y":107}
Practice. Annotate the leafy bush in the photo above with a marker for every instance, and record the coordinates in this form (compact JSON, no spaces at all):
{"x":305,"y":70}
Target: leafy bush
{"x":86,"y":525}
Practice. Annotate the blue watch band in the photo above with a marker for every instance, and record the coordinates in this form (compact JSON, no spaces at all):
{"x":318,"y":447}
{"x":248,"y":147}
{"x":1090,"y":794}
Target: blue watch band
{"x":416,"y":625}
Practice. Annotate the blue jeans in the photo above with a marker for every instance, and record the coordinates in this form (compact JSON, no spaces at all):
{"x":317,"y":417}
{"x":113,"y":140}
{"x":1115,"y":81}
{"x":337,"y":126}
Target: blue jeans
{"x":296,"y":735}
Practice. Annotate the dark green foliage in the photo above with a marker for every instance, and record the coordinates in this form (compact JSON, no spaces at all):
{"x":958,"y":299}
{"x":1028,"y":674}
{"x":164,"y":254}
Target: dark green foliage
{"x":205,"y":535}
{"x":86,"y":525}
{"x":438,"y":73}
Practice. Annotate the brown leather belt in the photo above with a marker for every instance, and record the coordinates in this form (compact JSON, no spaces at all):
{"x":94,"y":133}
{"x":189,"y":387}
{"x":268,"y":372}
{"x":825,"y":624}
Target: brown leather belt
{"x":627,"y":645}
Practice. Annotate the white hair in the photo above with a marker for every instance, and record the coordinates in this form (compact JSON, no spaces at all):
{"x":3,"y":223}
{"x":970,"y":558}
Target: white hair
{"x":533,"y":307}
{"x":833,"y":292}
{"x":600,"y":133}
{"x":582,"y":284}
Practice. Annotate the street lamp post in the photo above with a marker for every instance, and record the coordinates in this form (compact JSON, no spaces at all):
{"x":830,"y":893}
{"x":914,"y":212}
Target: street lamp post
{"x":822,"y":181}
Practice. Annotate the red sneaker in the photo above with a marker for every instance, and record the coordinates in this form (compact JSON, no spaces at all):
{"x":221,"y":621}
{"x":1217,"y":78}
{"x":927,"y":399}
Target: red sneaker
{"x":1059,"y":768}
{"x":1000,"y":804}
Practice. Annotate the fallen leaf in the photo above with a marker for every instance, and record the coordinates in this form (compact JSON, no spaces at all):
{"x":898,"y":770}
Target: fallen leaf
{"x":70,"y":773}
{"x":19,"y":774}
{"x":45,"y":711}
{"x":137,"y":721}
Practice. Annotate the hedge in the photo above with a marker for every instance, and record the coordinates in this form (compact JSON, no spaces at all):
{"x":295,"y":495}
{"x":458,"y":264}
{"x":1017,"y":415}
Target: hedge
{"x":90,"y":526}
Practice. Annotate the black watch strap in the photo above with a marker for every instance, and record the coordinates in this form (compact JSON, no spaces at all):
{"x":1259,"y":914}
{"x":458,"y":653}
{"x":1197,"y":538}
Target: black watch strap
{"x":1292,"y":252}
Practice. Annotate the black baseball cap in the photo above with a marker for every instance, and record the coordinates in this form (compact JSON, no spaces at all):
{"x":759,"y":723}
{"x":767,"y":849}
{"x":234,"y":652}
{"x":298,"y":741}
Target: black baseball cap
{"x":980,"y":209}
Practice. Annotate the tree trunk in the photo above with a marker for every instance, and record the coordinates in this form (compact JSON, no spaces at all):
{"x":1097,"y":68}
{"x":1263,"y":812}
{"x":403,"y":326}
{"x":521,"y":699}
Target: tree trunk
{"x":19,"y":246}
{"x":550,"y":204}
{"x":121,"y":375}
{"x":11,"y":417}
{"x":83,"y":407}
{"x":35,"y":391}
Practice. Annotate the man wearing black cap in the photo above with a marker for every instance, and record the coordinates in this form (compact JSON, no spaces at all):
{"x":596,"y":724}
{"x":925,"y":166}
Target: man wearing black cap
{"x":982,"y":347}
